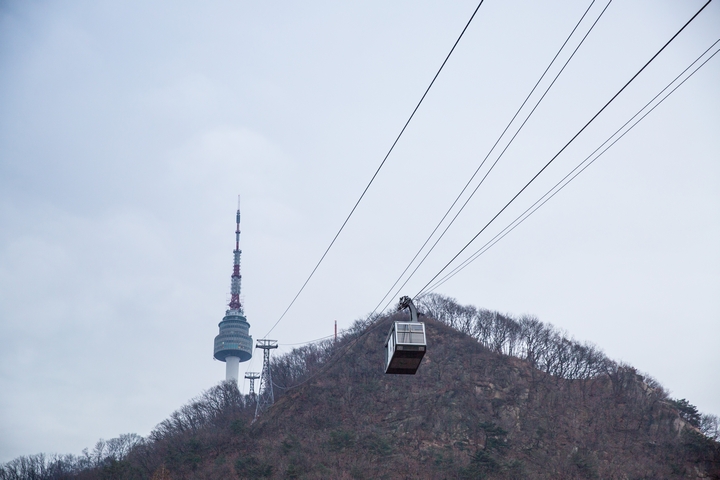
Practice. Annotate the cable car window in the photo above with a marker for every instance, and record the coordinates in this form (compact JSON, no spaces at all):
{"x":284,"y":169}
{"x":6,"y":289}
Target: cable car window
{"x":408,"y":333}
{"x":389,"y":350}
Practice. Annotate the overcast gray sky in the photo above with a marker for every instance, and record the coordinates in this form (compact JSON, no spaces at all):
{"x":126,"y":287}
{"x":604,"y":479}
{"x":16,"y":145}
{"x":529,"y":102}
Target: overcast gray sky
{"x":127,"y":130}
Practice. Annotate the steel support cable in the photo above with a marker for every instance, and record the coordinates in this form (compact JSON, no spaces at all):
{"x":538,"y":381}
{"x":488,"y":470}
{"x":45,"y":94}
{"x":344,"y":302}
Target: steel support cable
{"x":326,"y":337}
{"x":527,"y":118}
{"x":372,"y":179}
{"x":562,"y":149}
{"x":572,"y":174}
{"x":512,"y":120}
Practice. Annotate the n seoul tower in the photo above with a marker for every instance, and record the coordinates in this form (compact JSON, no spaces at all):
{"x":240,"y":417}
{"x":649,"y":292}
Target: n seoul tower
{"x":234,"y":343}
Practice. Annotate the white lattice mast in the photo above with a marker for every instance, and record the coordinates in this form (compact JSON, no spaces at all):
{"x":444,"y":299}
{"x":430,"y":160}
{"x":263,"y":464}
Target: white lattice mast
{"x":234,"y":343}
{"x":265,"y":391}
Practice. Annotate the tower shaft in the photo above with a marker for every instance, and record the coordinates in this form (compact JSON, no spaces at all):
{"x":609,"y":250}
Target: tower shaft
{"x":232,"y":368}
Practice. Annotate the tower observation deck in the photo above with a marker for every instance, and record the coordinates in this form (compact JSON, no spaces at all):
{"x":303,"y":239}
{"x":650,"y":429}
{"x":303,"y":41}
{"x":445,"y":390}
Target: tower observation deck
{"x":234,"y":343}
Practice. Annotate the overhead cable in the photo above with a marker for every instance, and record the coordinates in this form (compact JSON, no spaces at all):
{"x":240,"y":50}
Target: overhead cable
{"x":562,"y":149}
{"x":327,"y":337}
{"x":512,"y":120}
{"x":372,"y":179}
{"x":575,"y":171}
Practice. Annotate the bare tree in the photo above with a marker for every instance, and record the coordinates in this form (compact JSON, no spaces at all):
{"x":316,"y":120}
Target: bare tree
{"x":710,"y":426}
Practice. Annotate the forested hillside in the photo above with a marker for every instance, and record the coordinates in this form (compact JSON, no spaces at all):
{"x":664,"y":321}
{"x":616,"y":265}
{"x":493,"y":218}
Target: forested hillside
{"x":495,"y":397}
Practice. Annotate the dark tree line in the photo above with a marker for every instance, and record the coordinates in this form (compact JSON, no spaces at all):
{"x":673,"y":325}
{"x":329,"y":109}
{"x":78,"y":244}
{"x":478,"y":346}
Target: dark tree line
{"x":217,"y":406}
{"x":204,"y":426}
{"x":52,"y":467}
{"x":543,"y":346}
{"x":181,"y":440}
{"x":296,"y":366}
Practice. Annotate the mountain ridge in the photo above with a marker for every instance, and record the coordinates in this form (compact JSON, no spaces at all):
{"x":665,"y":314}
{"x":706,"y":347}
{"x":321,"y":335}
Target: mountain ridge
{"x":495,"y":397}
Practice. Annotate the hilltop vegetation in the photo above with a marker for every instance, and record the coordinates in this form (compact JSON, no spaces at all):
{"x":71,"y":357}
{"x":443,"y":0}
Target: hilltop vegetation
{"x":496,"y":397}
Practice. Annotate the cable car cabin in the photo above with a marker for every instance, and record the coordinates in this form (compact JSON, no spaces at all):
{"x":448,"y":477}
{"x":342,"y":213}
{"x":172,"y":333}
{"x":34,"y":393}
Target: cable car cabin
{"x":405,"y":347}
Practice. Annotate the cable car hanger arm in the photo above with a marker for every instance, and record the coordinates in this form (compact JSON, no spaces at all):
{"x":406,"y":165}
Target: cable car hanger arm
{"x":406,"y":302}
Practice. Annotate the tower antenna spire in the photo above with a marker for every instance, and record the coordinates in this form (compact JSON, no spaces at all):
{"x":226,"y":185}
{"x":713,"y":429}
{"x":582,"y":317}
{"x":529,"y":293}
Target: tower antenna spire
{"x":236,"y":277}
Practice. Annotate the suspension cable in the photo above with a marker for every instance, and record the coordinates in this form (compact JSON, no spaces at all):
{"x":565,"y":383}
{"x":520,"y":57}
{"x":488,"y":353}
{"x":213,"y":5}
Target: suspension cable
{"x":563,"y":148}
{"x":372,"y":179}
{"x":472,"y":194}
{"x":574,"y":172}
{"x":326,"y":337}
